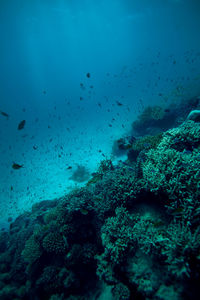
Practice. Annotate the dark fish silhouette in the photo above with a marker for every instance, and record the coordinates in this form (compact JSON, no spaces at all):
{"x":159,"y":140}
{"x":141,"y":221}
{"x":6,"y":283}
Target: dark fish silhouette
{"x":4,"y":114}
{"x":88,"y":75}
{"x":21,"y":125}
{"x":82,"y":86}
{"x":119,"y":103}
{"x":17,"y":166}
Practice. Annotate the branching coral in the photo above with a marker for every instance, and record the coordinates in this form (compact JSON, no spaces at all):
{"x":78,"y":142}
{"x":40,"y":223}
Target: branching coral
{"x":117,"y":235}
{"x":173,"y":168}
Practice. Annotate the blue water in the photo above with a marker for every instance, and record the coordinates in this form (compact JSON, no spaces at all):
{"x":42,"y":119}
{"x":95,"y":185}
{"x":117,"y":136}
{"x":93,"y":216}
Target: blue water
{"x":138,"y":53}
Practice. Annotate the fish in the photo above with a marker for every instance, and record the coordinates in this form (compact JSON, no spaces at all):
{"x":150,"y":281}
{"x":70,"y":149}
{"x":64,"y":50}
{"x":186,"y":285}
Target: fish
{"x":178,"y":211}
{"x":17,"y":166}
{"x":119,"y":103}
{"x":4,"y":114}
{"x":88,"y":75}
{"x":21,"y":125}
{"x":158,"y":223}
{"x":84,"y":211}
{"x":69,"y":167}
{"x":82,"y":86}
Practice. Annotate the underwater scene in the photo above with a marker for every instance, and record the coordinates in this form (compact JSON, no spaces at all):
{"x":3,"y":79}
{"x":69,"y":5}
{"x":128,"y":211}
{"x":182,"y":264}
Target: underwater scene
{"x":99,"y":149}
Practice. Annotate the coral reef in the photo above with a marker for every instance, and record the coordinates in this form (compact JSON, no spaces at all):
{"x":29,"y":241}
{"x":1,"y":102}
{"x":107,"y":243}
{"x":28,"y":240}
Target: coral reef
{"x":156,"y":119}
{"x":132,"y":232}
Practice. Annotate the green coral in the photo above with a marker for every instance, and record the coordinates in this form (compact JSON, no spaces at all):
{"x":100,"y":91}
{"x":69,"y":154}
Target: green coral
{"x":105,"y":166}
{"x":56,"y":215}
{"x":152,"y":113}
{"x":143,"y":144}
{"x":117,"y":235}
{"x":174,"y":170}
{"x":54,"y":242}
{"x":147,"y":142}
{"x":32,"y":250}
{"x":121,"y":292}
{"x":181,"y":250}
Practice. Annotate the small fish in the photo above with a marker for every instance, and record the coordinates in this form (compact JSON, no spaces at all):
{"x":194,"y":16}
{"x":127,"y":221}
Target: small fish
{"x":178,"y":211}
{"x":11,"y":188}
{"x":21,"y":125}
{"x":94,"y":174}
{"x":17,"y":166}
{"x":35,"y":147}
{"x":158,"y":224}
{"x":69,"y":167}
{"x":4,"y":114}
{"x":82,"y":86}
{"x":44,"y":92}
{"x":88,"y":75}
{"x":119,"y":103}
{"x":84,"y":211}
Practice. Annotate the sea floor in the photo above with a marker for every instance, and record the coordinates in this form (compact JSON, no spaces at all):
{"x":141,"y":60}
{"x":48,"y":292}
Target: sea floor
{"x":46,"y":171}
